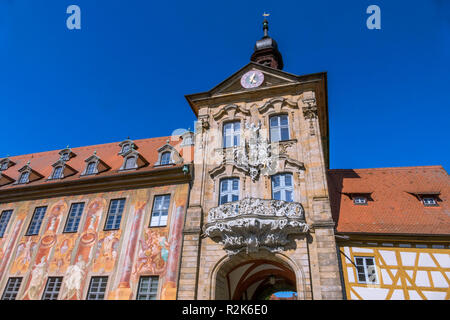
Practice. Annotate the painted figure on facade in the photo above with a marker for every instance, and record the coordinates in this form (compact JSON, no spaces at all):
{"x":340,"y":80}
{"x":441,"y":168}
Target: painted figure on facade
{"x":73,"y":280}
{"x":153,"y":253}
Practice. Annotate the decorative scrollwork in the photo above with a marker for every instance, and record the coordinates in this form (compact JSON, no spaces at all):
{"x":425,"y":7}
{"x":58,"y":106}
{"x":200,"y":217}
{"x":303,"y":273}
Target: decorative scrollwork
{"x":252,"y":224}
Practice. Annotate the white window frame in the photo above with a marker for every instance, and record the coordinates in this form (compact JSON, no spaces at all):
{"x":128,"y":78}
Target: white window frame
{"x":230,"y":191}
{"x":24,"y":177}
{"x":278,"y":128}
{"x":427,"y":204}
{"x":155,"y":220}
{"x":282,"y":188}
{"x":234,"y":135}
{"x":366,"y":270}
{"x":360,"y":200}
{"x":163,"y":163}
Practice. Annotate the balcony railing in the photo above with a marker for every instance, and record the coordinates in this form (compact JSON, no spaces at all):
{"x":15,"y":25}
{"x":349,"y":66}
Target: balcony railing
{"x":252,"y":224}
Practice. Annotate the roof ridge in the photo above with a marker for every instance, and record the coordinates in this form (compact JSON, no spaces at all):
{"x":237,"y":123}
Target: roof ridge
{"x":388,"y":168}
{"x":43,"y":153}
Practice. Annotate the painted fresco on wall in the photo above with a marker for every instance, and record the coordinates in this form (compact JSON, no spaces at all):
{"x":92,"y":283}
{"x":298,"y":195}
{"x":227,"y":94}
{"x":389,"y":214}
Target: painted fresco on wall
{"x":152,"y":253}
{"x":92,"y":251}
{"x":39,"y":272}
{"x":63,"y":253}
{"x":107,"y":251}
{"x":25,"y":252}
{"x":74,"y":280}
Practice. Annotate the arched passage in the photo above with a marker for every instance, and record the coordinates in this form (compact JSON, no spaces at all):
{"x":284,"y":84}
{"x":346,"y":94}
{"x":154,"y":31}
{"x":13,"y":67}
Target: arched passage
{"x":253,"y":277}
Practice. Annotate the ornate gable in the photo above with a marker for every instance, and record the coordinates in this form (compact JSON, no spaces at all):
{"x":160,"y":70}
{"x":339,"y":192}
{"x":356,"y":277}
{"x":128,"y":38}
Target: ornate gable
{"x":271,"y":78}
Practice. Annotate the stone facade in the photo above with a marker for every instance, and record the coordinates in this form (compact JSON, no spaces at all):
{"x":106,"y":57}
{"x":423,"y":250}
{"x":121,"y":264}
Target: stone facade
{"x":313,"y":257}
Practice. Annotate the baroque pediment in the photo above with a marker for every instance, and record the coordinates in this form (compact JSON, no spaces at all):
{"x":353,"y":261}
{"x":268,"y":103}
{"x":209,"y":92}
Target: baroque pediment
{"x":272,"y":78}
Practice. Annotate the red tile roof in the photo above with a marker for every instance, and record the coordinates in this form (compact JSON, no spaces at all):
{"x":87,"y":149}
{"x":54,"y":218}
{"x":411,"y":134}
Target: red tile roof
{"x":393,"y":207}
{"x":108,"y":153}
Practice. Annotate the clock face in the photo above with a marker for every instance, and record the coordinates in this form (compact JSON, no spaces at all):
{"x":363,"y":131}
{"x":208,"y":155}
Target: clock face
{"x":252,"y":79}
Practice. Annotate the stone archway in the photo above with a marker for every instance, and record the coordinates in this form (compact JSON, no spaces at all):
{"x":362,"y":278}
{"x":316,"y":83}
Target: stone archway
{"x":253,"y":277}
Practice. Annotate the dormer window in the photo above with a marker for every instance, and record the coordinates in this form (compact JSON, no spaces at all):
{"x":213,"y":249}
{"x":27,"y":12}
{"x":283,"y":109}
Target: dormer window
{"x":429,"y":201}
{"x":27,"y":174}
{"x":360,"y":200}
{"x":24,"y":177}
{"x":94,"y":165}
{"x":91,"y":168}
{"x":130,"y":163}
{"x":57,"y":173}
{"x":133,"y":160}
{"x":61,"y":170}
{"x":127,"y":146}
{"x":168,"y":155}
{"x":66,"y":154}
{"x":5,"y":164}
{"x":165,"y":158}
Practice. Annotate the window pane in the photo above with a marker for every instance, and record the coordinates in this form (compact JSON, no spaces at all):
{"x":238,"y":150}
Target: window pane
{"x":97,"y":288}
{"x":52,"y":288}
{"x":283,"y":120}
{"x":4,"y":219}
{"x":160,"y":210}
{"x":284,"y":134}
{"x":148,"y":288}
{"x":12,"y":289}
{"x":73,"y":219}
{"x":288,"y":196}
{"x":114,"y":214}
{"x":36,"y":221}
{"x":130,"y":163}
{"x":165,"y":158}
{"x":90,"y":168}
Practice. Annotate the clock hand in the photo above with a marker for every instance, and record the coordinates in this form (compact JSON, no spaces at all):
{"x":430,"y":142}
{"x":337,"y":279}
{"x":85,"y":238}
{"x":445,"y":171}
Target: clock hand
{"x":252,"y":78}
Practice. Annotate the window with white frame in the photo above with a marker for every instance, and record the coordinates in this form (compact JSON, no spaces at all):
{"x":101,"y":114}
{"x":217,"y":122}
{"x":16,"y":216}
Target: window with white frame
{"x":148,"y":288}
{"x":229,"y":190}
{"x":4,"y":219}
{"x":114,"y":216}
{"x":126,"y":147}
{"x":91,"y":168}
{"x":283,"y":187}
{"x":160,"y":211}
{"x":130,"y":163}
{"x":36,"y":221}
{"x":429,"y":201}
{"x":74,"y":217}
{"x":97,"y":288}
{"x":65,"y":156}
{"x":24,"y":177}
{"x":366,"y":270}
{"x":360,"y":200}
{"x":279,"y":128}
{"x":4,"y":166}
{"x":52,"y":288}
{"x":231,"y":134}
{"x":165,"y":158}
{"x":57,"y":172}
{"x":12,"y":288}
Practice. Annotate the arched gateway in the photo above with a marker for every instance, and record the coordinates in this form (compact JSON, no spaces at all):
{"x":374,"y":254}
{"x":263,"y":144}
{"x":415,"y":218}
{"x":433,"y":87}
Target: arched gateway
{"x":255,"y":277}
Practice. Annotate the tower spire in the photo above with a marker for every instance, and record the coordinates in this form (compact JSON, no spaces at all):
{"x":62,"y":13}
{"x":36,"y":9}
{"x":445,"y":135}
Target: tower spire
{"x":266,"y":49}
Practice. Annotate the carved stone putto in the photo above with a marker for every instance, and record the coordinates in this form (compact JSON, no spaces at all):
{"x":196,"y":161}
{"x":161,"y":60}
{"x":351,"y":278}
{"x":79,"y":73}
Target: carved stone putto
{"x":253,"y":224}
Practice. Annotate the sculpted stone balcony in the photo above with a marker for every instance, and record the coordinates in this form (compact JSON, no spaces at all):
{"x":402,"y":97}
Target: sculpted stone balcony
{"x":253,"y":224}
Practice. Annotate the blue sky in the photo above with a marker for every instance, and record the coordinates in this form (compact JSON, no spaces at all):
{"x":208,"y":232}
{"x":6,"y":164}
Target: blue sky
{"x":125,"y":73}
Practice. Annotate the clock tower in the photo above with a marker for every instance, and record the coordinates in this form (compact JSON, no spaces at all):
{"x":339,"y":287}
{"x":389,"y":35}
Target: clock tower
{"x":259,"y":218}
{"x":266,"y":50}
